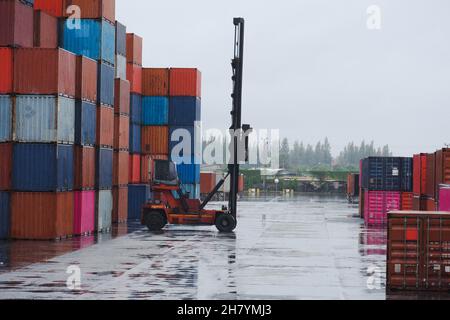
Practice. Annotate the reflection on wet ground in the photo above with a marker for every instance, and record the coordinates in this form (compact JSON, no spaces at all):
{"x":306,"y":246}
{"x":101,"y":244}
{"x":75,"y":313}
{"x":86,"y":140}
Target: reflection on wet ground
{"x":304,"y":247}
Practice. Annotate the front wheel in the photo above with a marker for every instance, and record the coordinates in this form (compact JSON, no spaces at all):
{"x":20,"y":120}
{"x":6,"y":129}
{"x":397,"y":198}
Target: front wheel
{"x":155,"y":220}
{"x":226,"y":223}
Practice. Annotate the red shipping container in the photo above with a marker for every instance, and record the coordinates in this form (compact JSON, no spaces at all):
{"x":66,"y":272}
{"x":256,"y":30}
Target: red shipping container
{"x":430,"y":184}
{"x":6,"y":157}
{"x":155,"y":140}
{"x":45,"y":30}
{"x":55,"y":8}
{"x":95,"y":9}
{"x":120,"y":168}
{"x":423,"y":203}
{"x":86,"y":79}
{"x":407,"y":201}
{"x":378,"y":204}
{"x":122,"y":97}
{"x":241,"y":183}
{"x":84,"y":212}
{"x":420,"y":174}
{"x":207,"y":182}
{"x":54,"y":74}
{"x":84,"y":163}
{"x":418,"y":251}
{"x":444,"y":198}
{"x":6,"y":66}
{"x":134,"y":172}
{"x":155,"y":82}
{"x":134,"y":75}
{"x":134,"y":49}
{"x":185,"y":82}
{"x":121,"y":132}
{"x":147,"y":166}
{"x":442,"y":168}
{"x":120,"y":205}
{"x":16,"y":24}
{"x":105,"y":126}
{"x":41,"y":216}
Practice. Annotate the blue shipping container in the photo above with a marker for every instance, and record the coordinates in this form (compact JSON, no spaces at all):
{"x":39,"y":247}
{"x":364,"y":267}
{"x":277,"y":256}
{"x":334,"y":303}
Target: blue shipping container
{"x":135,"y":138}
{"x":43,"y":167}
{"x":105,"y":84}
{"x":189,"y":173}
{"x":4,"y":216}
{"x":387,"y":174}
{"x":5,"y":118}
{"x":89,"y":37}
{"x":138,"y":195}
{"x":155,"y":111}
{"x":121,"y":39}
{"x":135,"y":108}
{"x":407,"y":174}
{"x":85,"y":123}
{"x":104,"y":169}
{"x":184,"y":111}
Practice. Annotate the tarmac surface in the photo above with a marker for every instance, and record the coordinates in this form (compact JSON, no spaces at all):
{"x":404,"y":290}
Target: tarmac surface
{"x":303,"y":247}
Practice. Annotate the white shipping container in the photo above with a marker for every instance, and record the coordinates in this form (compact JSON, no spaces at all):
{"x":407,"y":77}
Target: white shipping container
{"x":121,"y":67}
{"x":44,"y":119}
{"x":5,"y":118}
{"x":103,"y":210}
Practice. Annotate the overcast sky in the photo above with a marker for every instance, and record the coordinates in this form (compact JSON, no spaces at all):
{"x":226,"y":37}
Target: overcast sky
{"x":312,"y":67}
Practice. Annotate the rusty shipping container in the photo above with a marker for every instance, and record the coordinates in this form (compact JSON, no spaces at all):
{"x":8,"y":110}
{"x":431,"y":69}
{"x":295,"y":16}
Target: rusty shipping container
{"x":6,"y":65}
{"x":134,"y":49}
{"x":6,"y":160}
{"x":16,"y":24}
{"x":121,"y":132}
{"x":84,"y":168}
{"x":120,"y":204}
{"x":120,"y":169}
{"x":122,"y":97}
{"x":86,"y":79}
{"x":134,"y":170}
{"x":442,"y":169}
{"x":134,"y":75}
{"x":45,"y":30}
{"x":41,"y":216}
{"x":155,"y":140}
{"x":95,"y":9}
{"x":105,"y":126}
{"x":418,"y":251}
{"x":185,"y":82}
{"x":155,"y":82}
{"x":54,"y":74}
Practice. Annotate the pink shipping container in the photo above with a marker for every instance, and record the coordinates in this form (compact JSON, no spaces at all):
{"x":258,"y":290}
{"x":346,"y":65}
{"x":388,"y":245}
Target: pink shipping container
{"x":84,"y":212}
{"x":444,"y":198}
{"x":378,"y":204}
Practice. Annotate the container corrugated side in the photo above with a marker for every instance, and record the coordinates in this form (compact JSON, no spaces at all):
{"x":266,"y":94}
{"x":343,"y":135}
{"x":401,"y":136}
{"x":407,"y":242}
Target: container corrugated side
{"x":85,"y":123}
{"x":4,"y":215}
{"x":45,"y":30}
{"x":444,"y":198}
{"x":43,"y":167}
{"x":155,"y":82}
{"x":120,"y":168}
{"x":121,"y":39}
{"x":185,"y":82}
{"x":84,"y":178}
{"x":138,"y":195}
{"x":184,"y":111}
{"x":86,"y":79}
{"x":105,"y":84}
{"x":54,"y":7}
{"x":44,"y":119}
{"x":135,"y":138}
{"x":134,"y":169}
{"x":6,"y":65}
{"x":136,"y":108}
{"x":134,"y":49}
{"x":105,"y":126}
{"x":189,"y":173}
{"x":120,"y":204}
{"x":6,"y":164}
{"x":154,"y":140}
{"x":6,"y":111}
{"x":16,"y":23}
{"x":442,"y":168}
{"x":122,"y":97}
{"x":103,"y":214}
{"x":84,"y":212}
{"x":104,"y":169}
{"x":95,"y":9}
{"x":121,"y":67}
{"x":121,"y":132}
{"x":134,"y":75}
{"x":155,"y":111}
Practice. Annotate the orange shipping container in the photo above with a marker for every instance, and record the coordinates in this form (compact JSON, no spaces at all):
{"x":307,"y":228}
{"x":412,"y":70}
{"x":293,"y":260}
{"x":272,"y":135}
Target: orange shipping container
{"x":407,"y":201}
{"x":207,"y":182}
{"x":54,"y":74}
{"x":134,"y":171}
{"x":134,"y":49}
{"x":6,"y":67}
{"x":155,"y":140}
{"x":155,"y":82}
{"x":121,"y":132}
{"x":185,"y":82}
{"x":122,"y":97}
{"x":84,"y":168}
{"x":86,"y":79}
{"x":147,"y":166}
{"x":41,"y":216}
{"x":5,"y":166}
{"x":95,"y":9}
{"x":54,"y":7}
{"x":120,"y":168}
{"x":105,"y":126}
{"x":120,"y":205}
{"x":134,"y":75}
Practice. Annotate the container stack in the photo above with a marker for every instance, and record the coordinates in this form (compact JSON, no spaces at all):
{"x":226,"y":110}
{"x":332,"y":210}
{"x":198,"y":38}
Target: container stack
{"x":442,"y":179}
{"x":386,"y":186}
{"x":424,"y":182}
{"x":184,"y":115}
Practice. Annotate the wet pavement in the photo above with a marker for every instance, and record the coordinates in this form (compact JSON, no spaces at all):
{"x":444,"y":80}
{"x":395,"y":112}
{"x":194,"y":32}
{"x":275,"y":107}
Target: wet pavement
{"x":304,"y":247}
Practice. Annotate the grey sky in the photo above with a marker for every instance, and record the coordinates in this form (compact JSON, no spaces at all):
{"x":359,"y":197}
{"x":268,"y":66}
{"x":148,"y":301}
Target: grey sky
{"x":312,"y":67}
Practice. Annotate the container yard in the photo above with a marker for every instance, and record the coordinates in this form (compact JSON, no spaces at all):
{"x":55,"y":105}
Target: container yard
{"x":107,"y":191}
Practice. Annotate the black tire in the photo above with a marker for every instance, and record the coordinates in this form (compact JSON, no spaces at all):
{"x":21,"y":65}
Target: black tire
{"x":155,"y":220}
{"x":225,"y":223}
